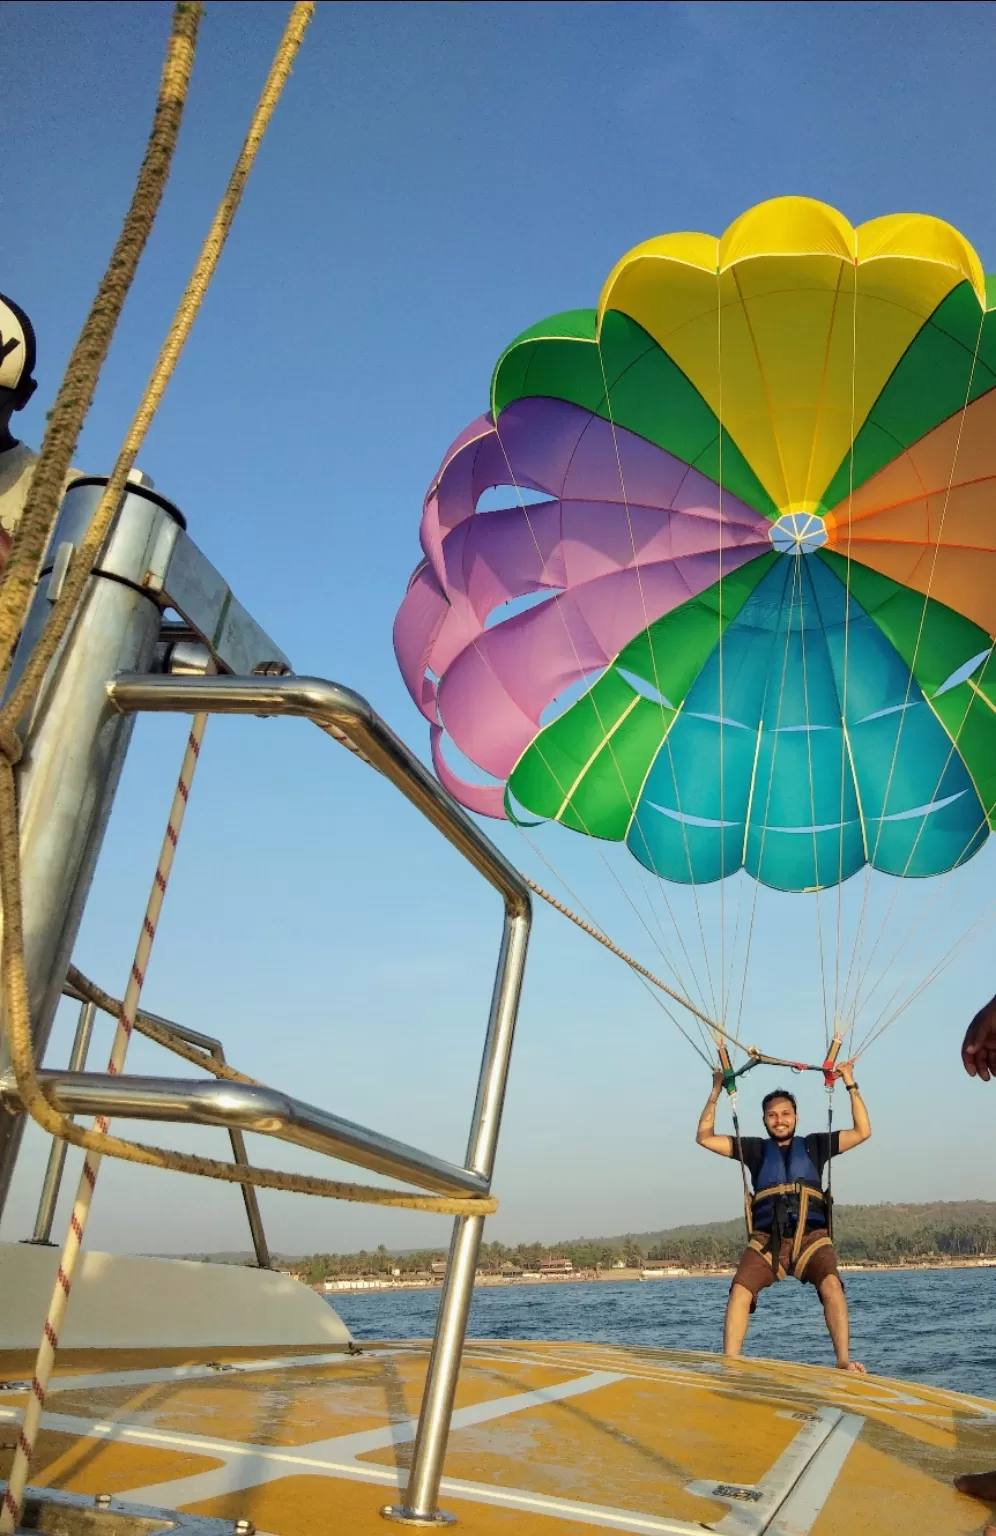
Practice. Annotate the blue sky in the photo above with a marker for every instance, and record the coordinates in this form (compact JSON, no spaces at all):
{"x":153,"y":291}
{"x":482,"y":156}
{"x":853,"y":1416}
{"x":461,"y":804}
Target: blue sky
{"x":437,"y":178}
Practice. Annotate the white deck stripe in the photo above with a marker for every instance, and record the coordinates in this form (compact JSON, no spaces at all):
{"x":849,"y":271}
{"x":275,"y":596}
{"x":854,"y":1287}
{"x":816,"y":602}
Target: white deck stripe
{"x":201,"y":1372}
{"x":795,"y":1488}
{"x":804,"y":1504}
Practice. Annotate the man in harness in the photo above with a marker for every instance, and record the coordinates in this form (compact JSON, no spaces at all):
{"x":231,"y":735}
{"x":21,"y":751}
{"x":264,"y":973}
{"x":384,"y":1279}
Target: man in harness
{"x":788,"y":1210}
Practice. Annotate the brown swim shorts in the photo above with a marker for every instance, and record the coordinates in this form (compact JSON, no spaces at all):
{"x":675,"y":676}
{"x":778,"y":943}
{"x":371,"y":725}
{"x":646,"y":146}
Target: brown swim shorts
{"x":754,"y":1272}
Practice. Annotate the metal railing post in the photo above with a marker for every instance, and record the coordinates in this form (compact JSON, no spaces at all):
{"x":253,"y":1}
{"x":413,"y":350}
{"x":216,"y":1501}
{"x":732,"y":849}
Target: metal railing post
{"x":251,"y":1203}
{"x":348,"y":718}
{"x":211,"y":1047}
{"x":75,"y":743}
{"x":421,"y":1505}
{"x":57,"y":1156}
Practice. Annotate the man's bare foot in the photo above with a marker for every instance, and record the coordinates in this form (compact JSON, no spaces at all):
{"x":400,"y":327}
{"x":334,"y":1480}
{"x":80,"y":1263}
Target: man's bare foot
{"x":852,"y":1365}
{"x":978,"y":1485}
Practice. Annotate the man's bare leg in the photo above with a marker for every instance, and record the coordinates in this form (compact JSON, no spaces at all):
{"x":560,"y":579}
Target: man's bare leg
{"x":831,"y":1294}
{"x":737,"y":1319}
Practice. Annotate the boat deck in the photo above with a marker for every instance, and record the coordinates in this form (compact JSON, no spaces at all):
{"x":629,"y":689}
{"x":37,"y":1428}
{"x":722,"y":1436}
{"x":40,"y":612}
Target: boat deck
{"x":546,"y":1436}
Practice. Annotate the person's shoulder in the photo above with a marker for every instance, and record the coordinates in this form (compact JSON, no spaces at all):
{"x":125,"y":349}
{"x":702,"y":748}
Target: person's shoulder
{"x":14,"y":461}
{"x":16,"y":468}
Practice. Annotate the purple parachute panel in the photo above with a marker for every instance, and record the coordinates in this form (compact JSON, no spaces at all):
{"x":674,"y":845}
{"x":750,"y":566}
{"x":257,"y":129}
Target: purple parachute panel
{"x":629,"y":532}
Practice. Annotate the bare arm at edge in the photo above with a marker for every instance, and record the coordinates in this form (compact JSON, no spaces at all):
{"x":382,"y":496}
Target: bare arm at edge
{"x":706,"y":1133}
{"x":978,"y":1051}
{"x":861,"y":1125}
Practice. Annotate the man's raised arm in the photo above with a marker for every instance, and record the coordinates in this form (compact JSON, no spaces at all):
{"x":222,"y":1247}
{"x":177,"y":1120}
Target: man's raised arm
{"x":706,"y":1133}
{"x":861,"y":1127}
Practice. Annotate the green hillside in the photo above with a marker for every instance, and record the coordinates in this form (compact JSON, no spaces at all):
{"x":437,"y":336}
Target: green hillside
{"x":884,"y":1234}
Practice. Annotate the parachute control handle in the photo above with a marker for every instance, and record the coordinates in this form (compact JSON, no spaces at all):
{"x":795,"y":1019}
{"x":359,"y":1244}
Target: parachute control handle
{"x":758,"y":1059}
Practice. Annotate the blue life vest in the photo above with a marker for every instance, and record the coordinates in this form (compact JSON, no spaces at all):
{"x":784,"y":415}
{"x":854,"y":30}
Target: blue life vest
{"x":781,"y":1178}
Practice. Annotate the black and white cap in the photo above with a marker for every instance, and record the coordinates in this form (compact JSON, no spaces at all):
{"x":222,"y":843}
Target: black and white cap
{"x":17,"y":345}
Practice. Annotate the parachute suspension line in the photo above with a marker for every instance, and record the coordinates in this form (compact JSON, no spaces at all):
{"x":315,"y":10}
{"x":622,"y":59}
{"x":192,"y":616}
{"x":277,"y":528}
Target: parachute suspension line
{"x":792,"y":573}
{"x":730,"y":1084}
{"x":957,"y":945}
{"x":652,"y":984}
{"x":981,"y":923}
{"x":830,"y":1080}
{"x":916,"y":652}
{"x":724,"y":989}
{"x":567,"y":791}
{"x":829,"y":1195}
{"x":666,"y":726}
{"x":956,"y":948}
{"x":561,"y":877}
{"x":844,"y":752}
{"x":600,"y":937}
{"x":804,"y":576}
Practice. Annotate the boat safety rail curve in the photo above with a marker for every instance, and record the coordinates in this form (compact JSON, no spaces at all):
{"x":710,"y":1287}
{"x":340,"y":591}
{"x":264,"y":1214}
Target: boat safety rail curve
{"x":348,"y":718}
{"x":247,"y":1107}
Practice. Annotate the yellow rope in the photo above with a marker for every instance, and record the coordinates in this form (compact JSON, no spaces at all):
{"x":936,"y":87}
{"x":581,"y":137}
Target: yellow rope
{"x":363,"y":1193}
{"x":91,"y":993}
{"x":15,"y":981}
{"x":193,"y":296}
{"x":73,"y":400}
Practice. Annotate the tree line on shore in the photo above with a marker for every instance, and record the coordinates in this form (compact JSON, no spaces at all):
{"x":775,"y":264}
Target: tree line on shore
{"x":883,"y":1234}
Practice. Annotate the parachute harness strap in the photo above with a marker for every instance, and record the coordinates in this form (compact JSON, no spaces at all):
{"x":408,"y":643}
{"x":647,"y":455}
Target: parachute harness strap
{"x":830,"y":1075}
{"x":730,"y":1084}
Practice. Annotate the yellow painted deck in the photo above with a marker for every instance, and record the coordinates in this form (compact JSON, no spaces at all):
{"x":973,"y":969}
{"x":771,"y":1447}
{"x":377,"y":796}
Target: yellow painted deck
{"x":547,"y":1437}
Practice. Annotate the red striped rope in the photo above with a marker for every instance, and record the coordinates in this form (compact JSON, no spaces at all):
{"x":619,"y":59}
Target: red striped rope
{"x":10,"y":1513}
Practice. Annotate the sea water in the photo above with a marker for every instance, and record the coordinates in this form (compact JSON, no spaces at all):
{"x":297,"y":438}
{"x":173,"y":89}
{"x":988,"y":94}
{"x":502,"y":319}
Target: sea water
{"x":932,"y":1326}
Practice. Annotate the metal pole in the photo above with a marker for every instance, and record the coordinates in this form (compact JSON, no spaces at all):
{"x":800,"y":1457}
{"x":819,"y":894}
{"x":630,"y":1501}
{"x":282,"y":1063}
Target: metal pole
{"x":246,"y":1107}
{"x":213,"y":1048}
{"x":421,"y":1505}
{"x":57,"y":1156}
{"x":350,"y":719}
{"x":347,"y":718}
{"x":251,"y":1204}
{"x":75,"y":743}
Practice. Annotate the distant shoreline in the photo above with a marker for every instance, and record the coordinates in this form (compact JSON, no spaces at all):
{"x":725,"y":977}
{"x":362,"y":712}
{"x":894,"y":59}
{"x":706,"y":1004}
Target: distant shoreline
{"x":501,"y":1282}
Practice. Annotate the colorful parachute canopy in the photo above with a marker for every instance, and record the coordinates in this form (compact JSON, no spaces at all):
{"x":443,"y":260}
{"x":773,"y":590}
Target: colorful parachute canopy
{"x":748,"y":620}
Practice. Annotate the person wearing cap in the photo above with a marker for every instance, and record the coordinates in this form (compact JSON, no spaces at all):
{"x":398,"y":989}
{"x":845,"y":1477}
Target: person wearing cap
{"x":789,"y":1210}
{"x":17,"y":385}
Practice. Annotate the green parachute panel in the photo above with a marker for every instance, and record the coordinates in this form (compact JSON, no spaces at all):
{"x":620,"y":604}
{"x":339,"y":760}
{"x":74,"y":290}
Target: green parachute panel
{"x":946,"y":366}
{"x":624,"y":377}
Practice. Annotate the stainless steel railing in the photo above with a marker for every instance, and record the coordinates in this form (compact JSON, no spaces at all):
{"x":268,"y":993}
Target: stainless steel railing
{"x":350,"y":720}
{"x":213,"y":1050}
